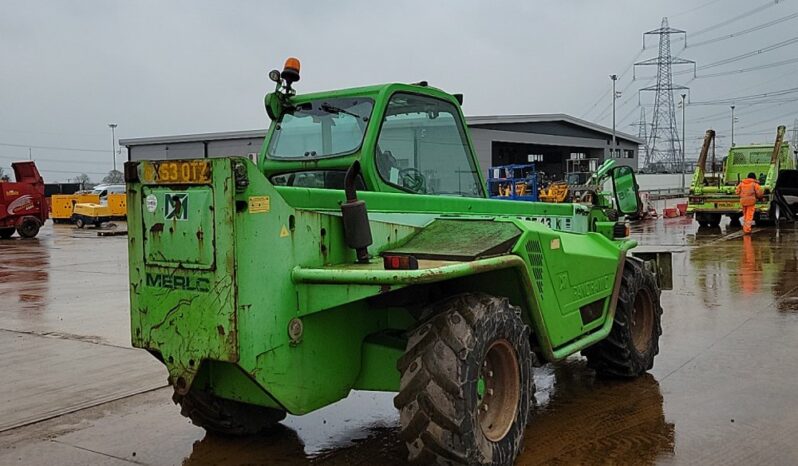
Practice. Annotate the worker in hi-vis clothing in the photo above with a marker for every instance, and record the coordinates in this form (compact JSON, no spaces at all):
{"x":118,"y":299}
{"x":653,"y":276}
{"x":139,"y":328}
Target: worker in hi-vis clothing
{"x":749,"y":191}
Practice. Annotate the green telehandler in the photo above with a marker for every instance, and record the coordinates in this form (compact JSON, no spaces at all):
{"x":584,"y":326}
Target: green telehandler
{"x":360,"y":252}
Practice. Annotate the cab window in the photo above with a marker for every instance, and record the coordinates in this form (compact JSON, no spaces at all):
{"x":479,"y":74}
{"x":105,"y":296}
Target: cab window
{"x":321,"y":128}
{"x":422,"y":148}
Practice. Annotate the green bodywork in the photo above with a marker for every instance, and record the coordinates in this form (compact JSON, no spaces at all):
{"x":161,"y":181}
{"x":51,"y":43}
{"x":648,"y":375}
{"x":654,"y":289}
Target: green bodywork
{"x":716,"y":195}
{"x":248,"y":290}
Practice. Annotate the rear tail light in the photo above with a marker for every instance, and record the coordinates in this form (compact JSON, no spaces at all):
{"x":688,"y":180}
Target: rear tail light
{"x":621,"y":230}
{"x":393,"y":262}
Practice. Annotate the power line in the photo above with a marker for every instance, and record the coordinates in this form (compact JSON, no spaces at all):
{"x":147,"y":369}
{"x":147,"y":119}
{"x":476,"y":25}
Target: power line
{"x":746,"y":70}
{"x":609,"y":90}
{"x":725,"y":113}
{"x":45,"y":170}
{"x":625,"y":117}
{"x":52,"y":147}
{"x":695,"y":8}
{"x":53,"y":160}
{"x":743,"y":32}
{"x":763,"y":7}
{"x":735,"y":100}
{"x":750,"y":54}
{"x":791,"y":113}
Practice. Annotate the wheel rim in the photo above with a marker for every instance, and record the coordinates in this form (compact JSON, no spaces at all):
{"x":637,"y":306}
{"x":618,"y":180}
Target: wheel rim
{"x":28,"y":229}
{"x":642,"y":321}
{"x":498,"y":390}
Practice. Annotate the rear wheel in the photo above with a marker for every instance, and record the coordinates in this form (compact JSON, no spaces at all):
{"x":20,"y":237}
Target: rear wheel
{"x":773,"y":214}
{"x":707,"y":220}
{"x":29,"y":227}
{"x":466,"y":383}
{"x":633,"y":342}
{"x":226,"y":417}
{"x":6,"y":233}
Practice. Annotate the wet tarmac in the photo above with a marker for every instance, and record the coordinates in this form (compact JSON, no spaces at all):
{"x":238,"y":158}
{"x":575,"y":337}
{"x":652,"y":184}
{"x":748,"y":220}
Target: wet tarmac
{"x":724,"y":389}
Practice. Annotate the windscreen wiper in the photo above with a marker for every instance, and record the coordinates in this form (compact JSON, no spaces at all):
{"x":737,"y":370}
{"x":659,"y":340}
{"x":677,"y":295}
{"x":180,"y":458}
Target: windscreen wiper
{"x":333,"y":109}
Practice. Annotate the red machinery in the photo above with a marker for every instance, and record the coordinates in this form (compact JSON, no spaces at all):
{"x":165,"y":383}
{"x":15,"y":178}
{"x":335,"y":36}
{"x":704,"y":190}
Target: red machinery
{"x":23,"y":206}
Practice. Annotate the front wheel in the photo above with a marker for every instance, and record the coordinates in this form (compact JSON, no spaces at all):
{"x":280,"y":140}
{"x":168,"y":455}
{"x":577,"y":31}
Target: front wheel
{"x":633,"y":342}
{"x":466,"y":383}
{"x":79,"y":222}
{"x":226,"y":417}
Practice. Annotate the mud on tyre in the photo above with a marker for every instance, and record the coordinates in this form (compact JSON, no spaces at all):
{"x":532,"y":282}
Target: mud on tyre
{"x":633,"y":342}
{"x":466,"y":383}
{"x":226,"y":417}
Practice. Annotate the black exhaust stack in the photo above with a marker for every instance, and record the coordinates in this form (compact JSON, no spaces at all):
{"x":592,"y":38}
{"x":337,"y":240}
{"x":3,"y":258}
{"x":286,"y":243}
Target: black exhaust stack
{"x":357,"y":232}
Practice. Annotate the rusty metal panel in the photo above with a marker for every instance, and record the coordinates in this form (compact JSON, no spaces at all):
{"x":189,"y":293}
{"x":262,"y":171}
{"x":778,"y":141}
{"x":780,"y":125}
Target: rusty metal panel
{"x":178,"y":226}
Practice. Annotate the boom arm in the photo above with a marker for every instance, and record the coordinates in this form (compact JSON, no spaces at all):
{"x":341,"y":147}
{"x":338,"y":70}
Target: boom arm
{"x":701,"y":164}
{"x":597,"y":179}
{"x":777,"y":146}
{"x":773,"y":171}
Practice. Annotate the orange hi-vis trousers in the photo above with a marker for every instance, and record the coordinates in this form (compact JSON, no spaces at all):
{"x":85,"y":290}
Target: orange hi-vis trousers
{"x":748,"y":218}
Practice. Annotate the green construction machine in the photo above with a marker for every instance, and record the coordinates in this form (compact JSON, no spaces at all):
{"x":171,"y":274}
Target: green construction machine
{"x":712,"y":192}
{"x":360,"y":252}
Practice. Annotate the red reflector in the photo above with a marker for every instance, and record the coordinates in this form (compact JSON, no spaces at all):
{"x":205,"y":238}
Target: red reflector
{"x":400,"y":263}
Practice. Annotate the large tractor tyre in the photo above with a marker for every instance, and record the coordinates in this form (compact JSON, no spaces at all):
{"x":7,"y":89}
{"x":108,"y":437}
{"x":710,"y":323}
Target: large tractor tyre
{"x":29,"y":227}
{"x":633,"y":342}
{"x":466,"y":383}
{"x":6,"y":233}
{"x":226,"y":417}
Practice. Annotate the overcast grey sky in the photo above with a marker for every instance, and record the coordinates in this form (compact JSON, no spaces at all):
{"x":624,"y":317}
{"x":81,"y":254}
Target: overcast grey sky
{"x":67,"y":69}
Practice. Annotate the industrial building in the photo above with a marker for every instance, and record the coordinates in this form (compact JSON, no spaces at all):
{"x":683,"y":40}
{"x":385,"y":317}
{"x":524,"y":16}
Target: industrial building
{"x":548,"y":139}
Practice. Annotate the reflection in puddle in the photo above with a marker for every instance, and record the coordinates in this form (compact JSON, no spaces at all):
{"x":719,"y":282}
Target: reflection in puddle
{"x":582,"y":419}
{"x":24,"y":275}
{"x":579,"y":420}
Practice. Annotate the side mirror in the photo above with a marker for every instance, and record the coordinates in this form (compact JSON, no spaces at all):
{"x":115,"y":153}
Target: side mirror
{"x":625,"y":188}
{"x":274,"y":107}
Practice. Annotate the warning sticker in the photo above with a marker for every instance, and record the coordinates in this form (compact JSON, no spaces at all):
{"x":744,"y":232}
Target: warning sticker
{"x":176,"y":206}
{"x":259,"y":204}
{"x":151,"y":203}
{"x":284,"y":232}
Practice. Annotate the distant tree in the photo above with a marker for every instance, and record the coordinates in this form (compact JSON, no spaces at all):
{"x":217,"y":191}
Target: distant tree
{"x":114,"y":177}
{"x":83,"y":179}
{"x":1,"y":172}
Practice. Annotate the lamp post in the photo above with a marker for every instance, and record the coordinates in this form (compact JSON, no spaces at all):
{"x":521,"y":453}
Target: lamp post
{"x":684,"y":141}
{"x":732,"y":128}
{"x":613,"y":77}
{"x":113,"y":141}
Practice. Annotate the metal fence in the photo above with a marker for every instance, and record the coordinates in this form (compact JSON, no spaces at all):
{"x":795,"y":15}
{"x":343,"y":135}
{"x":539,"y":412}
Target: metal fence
{"x":665,"y":193}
